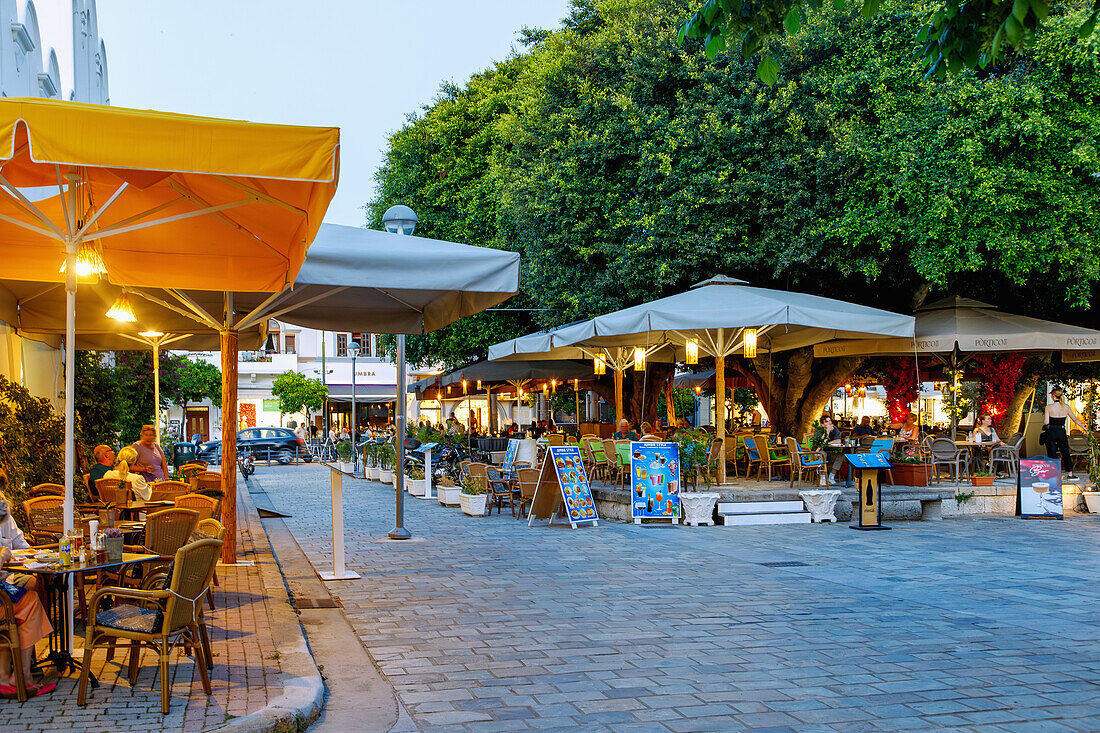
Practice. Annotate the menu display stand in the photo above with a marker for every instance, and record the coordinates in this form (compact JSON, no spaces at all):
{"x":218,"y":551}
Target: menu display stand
{"x":563,"y":485}
{"x":1039,"y":502}
{"x":867,"y":470}
{"x":655,"y":481}
{"x":426,"y":451}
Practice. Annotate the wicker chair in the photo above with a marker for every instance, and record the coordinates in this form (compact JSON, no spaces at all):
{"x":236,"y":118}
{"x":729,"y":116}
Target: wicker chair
{"x":1078,"y":448}
{"x":204,"y":505}
{"x":811,"y":462}
{"x":46,"y":490}
{"x":480,"y":473}
{"x":528,"y":479}
{"x":114,"y":491}
{"x":210,"y":480}
{"x":555,"y":439}
{"x":168,"y":530}
{"x":209,"y":529}
{"x":9,"y":638}
{"x":771,"y":459}
{"x":500,"y":491}
{"x":166,"y":617}
{"x":45,"y":518}
{"x":190,"y":472}
{"x":168,"y":490}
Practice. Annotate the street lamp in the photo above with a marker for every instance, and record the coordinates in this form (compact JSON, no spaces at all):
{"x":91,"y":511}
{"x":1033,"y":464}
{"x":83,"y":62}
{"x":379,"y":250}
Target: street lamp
{"x":353,"y":349}
{"x":401,"y":220}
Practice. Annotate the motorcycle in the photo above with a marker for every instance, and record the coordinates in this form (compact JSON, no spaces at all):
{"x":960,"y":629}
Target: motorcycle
{"x":445,"y":460}
{"x":246,"y":462}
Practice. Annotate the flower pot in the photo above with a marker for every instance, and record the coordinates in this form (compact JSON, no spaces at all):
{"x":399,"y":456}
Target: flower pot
{"x":346,"y":466}
{"x":1092,"y":501}
{"x":473,"y":504}
{"x":372,"y":473}
{"x":114,"y":549}
{"x":981,"y":480}
{"x":698,"y":507}
{"x":385,"y":475}
{"x":821,"y":504}
{"x":416,"y":487}
{"x":911,"y":474}
{"x":449,"y":495}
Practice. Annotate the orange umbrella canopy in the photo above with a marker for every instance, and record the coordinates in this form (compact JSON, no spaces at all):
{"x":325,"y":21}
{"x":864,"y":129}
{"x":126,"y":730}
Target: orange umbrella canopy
{"x":164,"y":200}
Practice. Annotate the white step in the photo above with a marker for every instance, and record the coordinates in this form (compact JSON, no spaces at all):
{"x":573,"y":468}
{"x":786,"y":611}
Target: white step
{"x":760,"y":507}
{"x":781,"y":518}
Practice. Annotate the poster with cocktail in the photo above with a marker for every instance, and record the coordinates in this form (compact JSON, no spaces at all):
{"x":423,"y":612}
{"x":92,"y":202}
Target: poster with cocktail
{"x":1039,"y":488}
{"x":655,"y":481}
{"x":575,"y":491}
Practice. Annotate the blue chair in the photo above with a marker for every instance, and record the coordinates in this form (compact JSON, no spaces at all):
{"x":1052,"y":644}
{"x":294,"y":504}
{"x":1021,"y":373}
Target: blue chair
{"x":804,"y":461}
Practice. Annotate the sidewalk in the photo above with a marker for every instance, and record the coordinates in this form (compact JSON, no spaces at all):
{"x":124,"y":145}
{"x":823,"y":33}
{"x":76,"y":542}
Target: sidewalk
{"x":247,"y":630}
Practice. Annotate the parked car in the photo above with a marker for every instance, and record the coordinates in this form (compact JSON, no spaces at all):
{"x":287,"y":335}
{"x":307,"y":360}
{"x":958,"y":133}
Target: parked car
{"x":280,"y":443}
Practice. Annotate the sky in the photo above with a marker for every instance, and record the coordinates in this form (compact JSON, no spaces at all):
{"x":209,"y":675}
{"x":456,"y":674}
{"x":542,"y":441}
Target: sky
{"x":361,"y":66}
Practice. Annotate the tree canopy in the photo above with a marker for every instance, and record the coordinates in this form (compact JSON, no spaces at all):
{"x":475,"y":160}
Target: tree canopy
{"x":297,"y":393}
{"x":625,"y":166}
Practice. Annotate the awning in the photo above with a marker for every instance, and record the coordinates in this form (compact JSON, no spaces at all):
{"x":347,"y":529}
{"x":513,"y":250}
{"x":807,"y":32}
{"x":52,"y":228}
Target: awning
{"x":364,"y":393}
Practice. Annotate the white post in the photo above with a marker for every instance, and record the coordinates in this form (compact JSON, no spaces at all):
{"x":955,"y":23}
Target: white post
{"x":70,"y":410}
{"x":400,"y":532}
{"x":336,"y":485}
{"x":156,"y":388}
{"x":428,"y":473}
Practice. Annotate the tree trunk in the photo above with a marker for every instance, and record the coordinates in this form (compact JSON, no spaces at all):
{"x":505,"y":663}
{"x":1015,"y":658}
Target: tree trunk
{"x":1013,"y":419}
{"x":648,"y":385}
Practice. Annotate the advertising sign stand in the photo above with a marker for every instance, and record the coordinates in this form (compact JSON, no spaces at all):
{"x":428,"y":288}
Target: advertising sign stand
{"x":655,"y":481}
{"x":1039,"y":488}
{"x":867,"y":469}
{"x":426,"y":451}
{"x":339,"y":572}
{"x":563,"y":485}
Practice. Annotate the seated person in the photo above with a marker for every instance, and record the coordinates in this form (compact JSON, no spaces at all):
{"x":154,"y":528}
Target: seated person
{"x":832,"y":437}
{"x":104,"y":460}
{"x":138,"y":485}
{"x":985,"y":433}
{"x":647,"y":429}
{"x":909,"y":430}
{"x":30,"y":615}
{"x":864,"y":428}
{"x":538,"y":429}
{"x":624,"y":432}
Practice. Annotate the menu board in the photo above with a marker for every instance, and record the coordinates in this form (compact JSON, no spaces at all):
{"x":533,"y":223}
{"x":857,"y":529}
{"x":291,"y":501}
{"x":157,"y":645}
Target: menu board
{"x":655,"y":481}
{"x":1032,"y":501}
{"x":563,"y":486}
{"x":510,"y":454}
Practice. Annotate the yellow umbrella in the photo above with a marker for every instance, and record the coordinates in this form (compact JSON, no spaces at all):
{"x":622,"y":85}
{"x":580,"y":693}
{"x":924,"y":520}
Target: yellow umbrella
{"x":159,"y":200}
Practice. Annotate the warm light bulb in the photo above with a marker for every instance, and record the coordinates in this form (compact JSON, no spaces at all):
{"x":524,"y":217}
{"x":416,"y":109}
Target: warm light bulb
{"x":750,"y":343}
{"x":151,"y":334}
{"x":599,"y":365}
{"x":479,"y":385}
{"x":698,"y":390}
{"x":463,"y":386}
{"x":88,"y":261}
{"x":639,"y":359}
{"x":122,"y":310}
{"x":692,"y":349}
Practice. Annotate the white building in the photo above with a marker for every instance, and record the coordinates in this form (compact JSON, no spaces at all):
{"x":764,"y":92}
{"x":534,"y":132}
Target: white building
{"x":68,"y":62}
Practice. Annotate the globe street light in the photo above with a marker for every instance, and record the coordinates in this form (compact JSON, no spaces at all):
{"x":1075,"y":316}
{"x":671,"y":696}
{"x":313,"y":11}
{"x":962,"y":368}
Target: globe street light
{"x":401,"y":220}
{"x":353,"y":349}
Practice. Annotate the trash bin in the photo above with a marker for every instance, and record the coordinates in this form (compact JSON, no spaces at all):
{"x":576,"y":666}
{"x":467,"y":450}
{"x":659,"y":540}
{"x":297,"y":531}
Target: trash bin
{"x":184,"y":453}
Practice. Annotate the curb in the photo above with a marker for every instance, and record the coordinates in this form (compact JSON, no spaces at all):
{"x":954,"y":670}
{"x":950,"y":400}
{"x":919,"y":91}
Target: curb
{"x":303,"y":695}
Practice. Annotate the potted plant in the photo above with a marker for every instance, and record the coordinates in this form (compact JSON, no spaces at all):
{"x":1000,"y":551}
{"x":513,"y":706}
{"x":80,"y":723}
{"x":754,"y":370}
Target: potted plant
{"x":385,"y":463}
{"x":981,"y":478}
{"x":343,"y":455}
{"x":697,"y":506}
{"x":112,"y":537}
{"x":448,"y":492}
{"x":472,"y":498}
{"x":910,"y":471}
{"x":1090,"y":493}
{"x":415,"y":482}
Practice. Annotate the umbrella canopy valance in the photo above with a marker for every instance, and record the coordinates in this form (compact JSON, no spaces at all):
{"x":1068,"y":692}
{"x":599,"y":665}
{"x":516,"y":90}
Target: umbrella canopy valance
{"x":965,"y":325}
{"x":162,"y":199}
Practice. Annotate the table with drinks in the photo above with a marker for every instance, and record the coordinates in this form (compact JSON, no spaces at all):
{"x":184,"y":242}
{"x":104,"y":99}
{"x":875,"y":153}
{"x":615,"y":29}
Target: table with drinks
{"x":55,"y":569}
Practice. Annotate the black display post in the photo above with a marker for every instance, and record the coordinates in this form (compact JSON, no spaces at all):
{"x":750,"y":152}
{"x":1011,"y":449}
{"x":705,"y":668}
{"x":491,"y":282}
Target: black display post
{"x":867,"y":468}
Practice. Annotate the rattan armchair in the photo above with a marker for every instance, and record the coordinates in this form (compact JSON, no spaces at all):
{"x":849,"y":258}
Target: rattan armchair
{"x":46,"y":490}
{"x":158,"y":619}
{"x":9,"y":637}
{"x":168,"y":490}
{"x":528,"y":480}
{"x":500,"y":491}
{"x":114,"y":491}
{"x":204,"y":505}
{"x":811,"y":462}
{"x":45,"y":518}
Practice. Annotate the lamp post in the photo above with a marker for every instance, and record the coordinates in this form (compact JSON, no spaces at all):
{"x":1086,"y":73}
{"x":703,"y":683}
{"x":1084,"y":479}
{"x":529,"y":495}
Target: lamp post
{"x":401,"y":220}
{"x":353,"y":348}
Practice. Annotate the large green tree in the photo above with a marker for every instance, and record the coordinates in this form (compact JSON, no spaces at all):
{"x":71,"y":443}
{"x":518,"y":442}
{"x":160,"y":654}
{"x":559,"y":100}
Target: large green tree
{"x":297,"y":393}
{"x":625,"y":167}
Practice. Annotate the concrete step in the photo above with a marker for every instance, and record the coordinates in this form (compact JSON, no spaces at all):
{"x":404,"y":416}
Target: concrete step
{"x":750,"y":519}
{"x":760,"y":507}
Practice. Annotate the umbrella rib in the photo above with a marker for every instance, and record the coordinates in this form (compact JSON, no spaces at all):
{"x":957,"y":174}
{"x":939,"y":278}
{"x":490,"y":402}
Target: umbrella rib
{"x":262,"y":196}
{"x":101,"y":209}
{"x":148,"y":212}
{"x":229,"y":222}
{"x":257,"y":313}
{"x":15,"y":193}
{"x":113,"y":230}
{"x":64,"y":201}
{"x":407,"y":305}
{"x":176,"y":309}
{"x":190,"y":303}
{"x":36,"y":294}
{"x":307,"y":301}
{"x":28,"y":225}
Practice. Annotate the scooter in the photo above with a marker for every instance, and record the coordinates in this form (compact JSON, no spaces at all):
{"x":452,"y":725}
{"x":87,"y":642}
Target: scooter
{"x":246,"y":462}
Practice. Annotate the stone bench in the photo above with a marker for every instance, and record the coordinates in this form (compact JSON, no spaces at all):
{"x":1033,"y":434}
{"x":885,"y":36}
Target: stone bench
{"x":931,"y":499}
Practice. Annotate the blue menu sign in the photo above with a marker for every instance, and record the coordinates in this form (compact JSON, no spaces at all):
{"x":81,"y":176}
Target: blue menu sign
{"x":655,"y":481}
{"x":510,"y":454}
{"x":575,"y":491}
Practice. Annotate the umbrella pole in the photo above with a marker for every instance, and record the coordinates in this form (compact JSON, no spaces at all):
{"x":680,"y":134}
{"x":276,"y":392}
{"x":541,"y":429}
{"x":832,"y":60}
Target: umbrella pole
{"x":70,"y":413}
{"x":720,"y":407}
{"x":229,"y":443}
{"x":156,"y":389}
{"x":399,"y":532}
{"x":619,"y":396}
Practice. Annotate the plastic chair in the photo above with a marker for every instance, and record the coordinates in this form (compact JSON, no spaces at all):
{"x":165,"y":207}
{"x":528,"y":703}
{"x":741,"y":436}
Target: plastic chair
{"x":752,"y":456}
{"x":1008,"y":455}
{"x":945,"y":454}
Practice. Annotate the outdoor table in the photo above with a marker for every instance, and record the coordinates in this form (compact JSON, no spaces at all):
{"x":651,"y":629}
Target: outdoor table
{"x":56,"y":579}
{"x":976,"y":450}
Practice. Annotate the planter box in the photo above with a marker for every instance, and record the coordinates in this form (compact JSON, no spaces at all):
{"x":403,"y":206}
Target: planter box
{"x":821,"y":504}
{"x":698,"y":507}
{"x":385,"y":475}
{"x":981,"y":480}
{"x":346,"y":466}
{"x":1092,"y":501}
{"x":372,"y":473}
{"x":448,"y":495}
{"x":911,"y":474}
{"x":473,"y":504}
{"x":416,"y":487}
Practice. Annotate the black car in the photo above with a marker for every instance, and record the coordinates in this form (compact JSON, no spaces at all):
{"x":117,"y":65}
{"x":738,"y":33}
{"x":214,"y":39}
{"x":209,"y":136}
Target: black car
{"x":280,"y":444}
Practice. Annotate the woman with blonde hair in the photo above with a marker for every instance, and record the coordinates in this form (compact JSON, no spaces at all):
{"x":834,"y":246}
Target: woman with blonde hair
{"x":126,"y":458}
{"x":30,"y":616}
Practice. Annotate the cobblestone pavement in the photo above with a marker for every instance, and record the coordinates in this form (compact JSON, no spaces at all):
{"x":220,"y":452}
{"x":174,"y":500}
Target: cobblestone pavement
{"x":245,"y":665}
{"x":486,"y":624}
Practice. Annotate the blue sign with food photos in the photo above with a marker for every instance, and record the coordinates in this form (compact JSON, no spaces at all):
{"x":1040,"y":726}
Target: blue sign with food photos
{"x":510,"y":454}
{"x":576,"y":492}
{"x":655,"y":481}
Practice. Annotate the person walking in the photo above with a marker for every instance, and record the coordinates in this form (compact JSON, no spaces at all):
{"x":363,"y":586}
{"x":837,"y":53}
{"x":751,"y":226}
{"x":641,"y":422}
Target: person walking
{"x":1054,"y":422}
